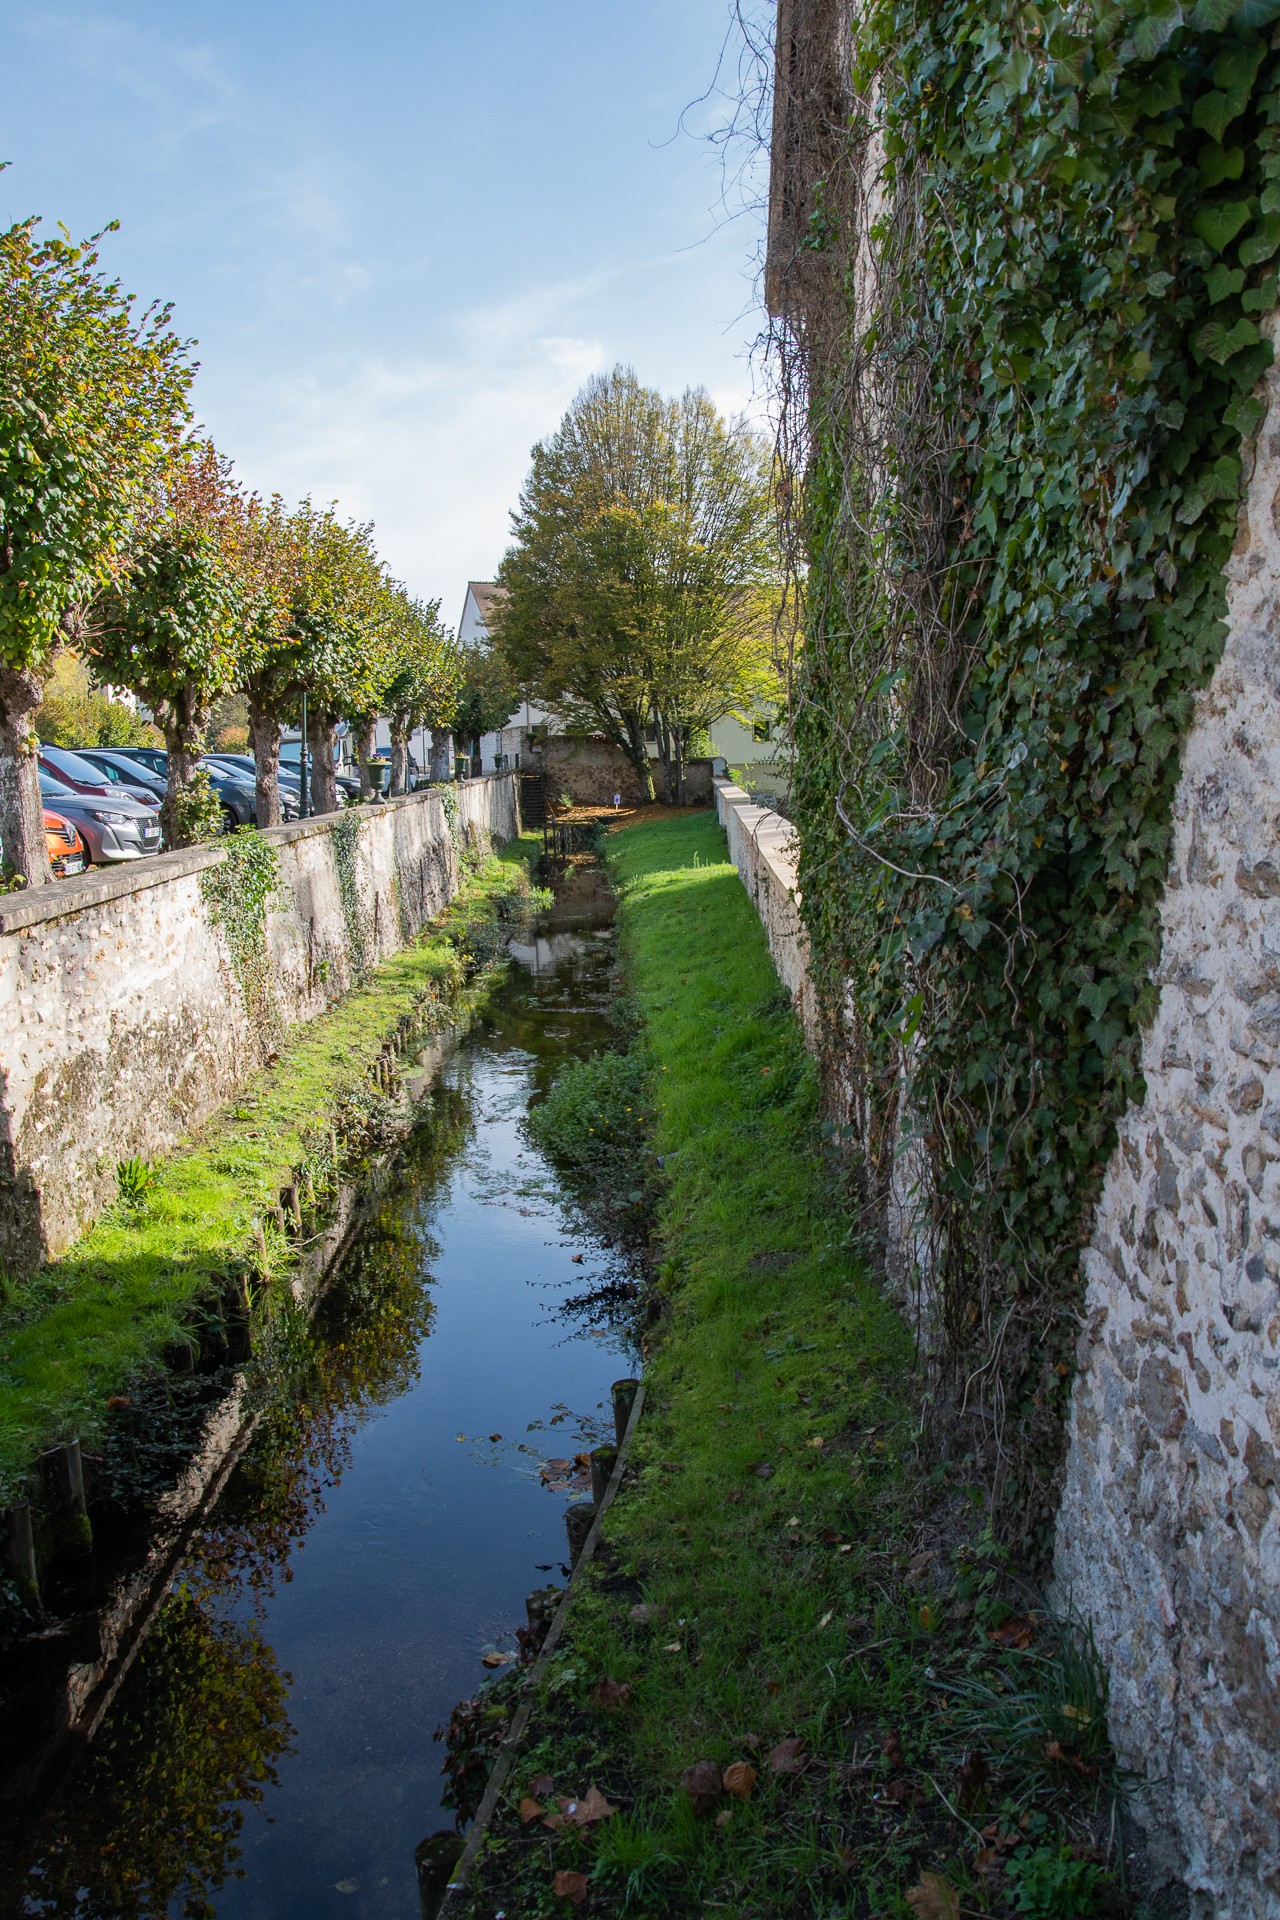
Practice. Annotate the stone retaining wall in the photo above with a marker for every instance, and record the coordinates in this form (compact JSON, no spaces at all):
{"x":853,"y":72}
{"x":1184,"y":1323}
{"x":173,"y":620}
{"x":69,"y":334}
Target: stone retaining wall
{"x":123,"y":1023}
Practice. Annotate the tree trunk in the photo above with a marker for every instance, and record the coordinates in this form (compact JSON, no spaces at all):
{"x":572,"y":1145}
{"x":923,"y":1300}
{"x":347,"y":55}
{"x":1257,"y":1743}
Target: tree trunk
{"x":324,"y":785}
{"x":22,"y":842}
{"x":264,"y":741}
{"x":184,"y":720}
{"x":399,"y":756}
{"x":364,"y":733}
{"x":441,"y":753}
{"x":633,"y":745}
{"x":679,"y":741}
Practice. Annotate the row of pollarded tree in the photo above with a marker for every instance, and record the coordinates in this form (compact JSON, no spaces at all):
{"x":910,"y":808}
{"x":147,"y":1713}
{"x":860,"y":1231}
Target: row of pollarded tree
{"x":643,"y":593}
{"x":125,"y":533}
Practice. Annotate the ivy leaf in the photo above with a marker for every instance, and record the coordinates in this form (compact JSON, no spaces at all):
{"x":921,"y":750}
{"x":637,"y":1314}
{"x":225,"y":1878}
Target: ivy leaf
{"x":1214,"y":112}
{"x":1219,"y":224}
{"x":1223,"y":280}
{"x":1218,"y":343}
{"x":1211,"y":16}
{"x":1245,"y":414}
{"x":1261,"y":244}
{"x":1152,"y":32}
{"x":1254,"y":15}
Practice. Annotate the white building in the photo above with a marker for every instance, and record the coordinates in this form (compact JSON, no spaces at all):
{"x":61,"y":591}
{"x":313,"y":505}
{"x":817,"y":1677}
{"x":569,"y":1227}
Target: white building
{"x":509,"y":743}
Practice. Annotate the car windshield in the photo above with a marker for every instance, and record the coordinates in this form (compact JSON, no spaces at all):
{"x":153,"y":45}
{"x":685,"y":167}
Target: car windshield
{"x":105,"y":766}
{"x":72,"y":766}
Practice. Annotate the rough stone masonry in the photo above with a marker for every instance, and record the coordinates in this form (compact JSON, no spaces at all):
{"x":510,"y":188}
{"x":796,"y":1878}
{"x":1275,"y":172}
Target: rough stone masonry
{"x":1169,"y":1530}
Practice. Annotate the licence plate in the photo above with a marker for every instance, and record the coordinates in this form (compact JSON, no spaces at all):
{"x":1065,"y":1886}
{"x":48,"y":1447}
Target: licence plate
{"x":74,"y":863}
{"x":150,"y":833}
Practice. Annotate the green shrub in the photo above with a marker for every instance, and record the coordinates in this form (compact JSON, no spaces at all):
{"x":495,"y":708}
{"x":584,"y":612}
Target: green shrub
{"x":593,"y":1124}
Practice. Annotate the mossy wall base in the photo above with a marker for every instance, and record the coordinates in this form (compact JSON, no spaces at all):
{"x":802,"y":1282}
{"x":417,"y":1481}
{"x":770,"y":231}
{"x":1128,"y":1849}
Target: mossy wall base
{"x":128,"y":1013}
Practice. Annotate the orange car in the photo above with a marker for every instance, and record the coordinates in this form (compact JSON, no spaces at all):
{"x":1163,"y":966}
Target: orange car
{"x":66,"y":848}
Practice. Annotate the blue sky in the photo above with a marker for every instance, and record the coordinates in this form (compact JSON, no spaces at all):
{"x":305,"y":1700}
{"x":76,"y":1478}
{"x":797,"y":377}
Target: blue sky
{"x":403,"y":232}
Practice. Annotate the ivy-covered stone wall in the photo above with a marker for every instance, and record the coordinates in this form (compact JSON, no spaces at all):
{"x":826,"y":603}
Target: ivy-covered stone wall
{"x":1169,"y":1530}
{"x":1024,"y":277}
{"x":133,"y":1002}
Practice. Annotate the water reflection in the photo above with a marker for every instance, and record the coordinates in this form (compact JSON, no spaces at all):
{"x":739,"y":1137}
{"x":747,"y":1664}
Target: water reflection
{"x":270,"y":1752}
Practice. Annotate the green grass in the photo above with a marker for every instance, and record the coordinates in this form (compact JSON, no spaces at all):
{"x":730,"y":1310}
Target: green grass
{"x":777,"y":1511}
{"x":77,"y":1332}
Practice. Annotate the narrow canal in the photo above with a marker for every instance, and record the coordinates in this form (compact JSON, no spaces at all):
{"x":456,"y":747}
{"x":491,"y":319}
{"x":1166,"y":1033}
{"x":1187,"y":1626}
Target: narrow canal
{"x":270,"y":1753}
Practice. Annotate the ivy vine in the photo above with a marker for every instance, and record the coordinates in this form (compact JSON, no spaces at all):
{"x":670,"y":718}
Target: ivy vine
{"x":344,"y":838}
{"x":1015,"y":597}
{"x":237,"y":892}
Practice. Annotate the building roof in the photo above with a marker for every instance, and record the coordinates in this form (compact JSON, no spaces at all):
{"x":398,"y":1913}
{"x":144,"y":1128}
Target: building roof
{"x":484,"y":593}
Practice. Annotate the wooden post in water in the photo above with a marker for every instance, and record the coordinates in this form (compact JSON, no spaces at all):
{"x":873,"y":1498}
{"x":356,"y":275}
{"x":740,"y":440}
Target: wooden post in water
{"x":64,"y":1479}
{"x":577,"y":1525}
{"x":20,"y":1552}
{"x":603,"y":1461}
{"x":260,"y":1242}
{"x":624,"y":1395}
{"x":435,"y":1860}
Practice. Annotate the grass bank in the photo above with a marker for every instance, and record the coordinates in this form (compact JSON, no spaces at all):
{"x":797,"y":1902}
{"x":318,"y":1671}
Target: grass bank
{"x":798,"y":1673}
{"x":132,"y":1293}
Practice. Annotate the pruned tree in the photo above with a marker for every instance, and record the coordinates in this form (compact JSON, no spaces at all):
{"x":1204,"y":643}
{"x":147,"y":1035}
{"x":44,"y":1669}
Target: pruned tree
{"x":422,"y":686}
{"x":324,"y":641}
{"x":175,"y":625}
{"x":93,"y":400}
{"x":644,"y":554}
{"x":487,"y":694}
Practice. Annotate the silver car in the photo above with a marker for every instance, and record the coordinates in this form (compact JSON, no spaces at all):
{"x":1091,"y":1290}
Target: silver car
{"x":112,"y":828}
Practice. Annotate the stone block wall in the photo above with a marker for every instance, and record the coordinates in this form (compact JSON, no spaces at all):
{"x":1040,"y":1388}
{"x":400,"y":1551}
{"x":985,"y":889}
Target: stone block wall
{"x":122,"y":1020}
{"x":1169,"y":1530}
{"x":591,"y":771}
{"x":761,"y":847}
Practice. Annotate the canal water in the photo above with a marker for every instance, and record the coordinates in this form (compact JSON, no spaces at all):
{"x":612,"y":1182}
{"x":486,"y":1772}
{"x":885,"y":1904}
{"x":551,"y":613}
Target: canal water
{"x":270,"y":1753}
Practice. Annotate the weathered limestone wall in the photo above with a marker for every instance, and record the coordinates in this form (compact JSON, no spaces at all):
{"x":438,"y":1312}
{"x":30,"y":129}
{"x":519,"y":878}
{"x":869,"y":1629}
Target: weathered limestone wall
{"x":760,"y":846}
{"x":591,"y":771}
{"x":1169,"y":1531}
{"x":123,"y":1022}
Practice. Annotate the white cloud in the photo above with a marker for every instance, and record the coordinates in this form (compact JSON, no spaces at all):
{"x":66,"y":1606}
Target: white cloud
{"x":432,"y":449}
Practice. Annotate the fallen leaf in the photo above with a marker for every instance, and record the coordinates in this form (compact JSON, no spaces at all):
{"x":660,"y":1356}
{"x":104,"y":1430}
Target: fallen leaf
{"x":895,"y":1793}
{"x":584,"y":1812}
{"x":817,"y":1441}
{"x":669,"y":1466}
{"x":785,"y":1757}
{"x":577,"y":1259}
{"x":735,"y":1495}
{"x":724,"y":1816}
{"x":116,"y":1400}
{"x":826,"y":1620}
{"x":672,"y":1646}
{"x":496,"y":1659}
{"x":611,"y":1694}
{"x":570,"y":1886}
{"x":772,"y":1686}
{"x":702,"y":1783}
{"x":830,"y":1538}
{"x":1054,"y":1750}
{"x":934,"y":1898}
{"x":530,"y":1810}
{"x":891,"y":1748}
{"x":739,"y":1779}
{"x":495,"y":1436}
{"x":346,"y":1886}
{"x":847,"y":1857}
{"x":928,"y":1617}
{"x":542,"y":1786}
{"x":761,"y":1469}
{"x":1017,"y":1631}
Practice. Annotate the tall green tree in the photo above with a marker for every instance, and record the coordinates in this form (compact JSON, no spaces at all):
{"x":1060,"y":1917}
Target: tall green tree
{"x":93,"y":399}
{"x":645,"y":548}
{"x":174,"y":626}
{"x":324,"y":639}
{"x":488,"y":694}
{"x":422,"y":690}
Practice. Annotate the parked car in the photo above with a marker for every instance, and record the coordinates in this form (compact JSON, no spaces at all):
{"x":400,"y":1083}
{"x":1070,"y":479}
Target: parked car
{"x":64,"y":845}
{"x":73,"y":770}
{"x":291,"y":764}
{"x":111,"y":825}
{"x":244,"y":765}
{"x":238,"y":797}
